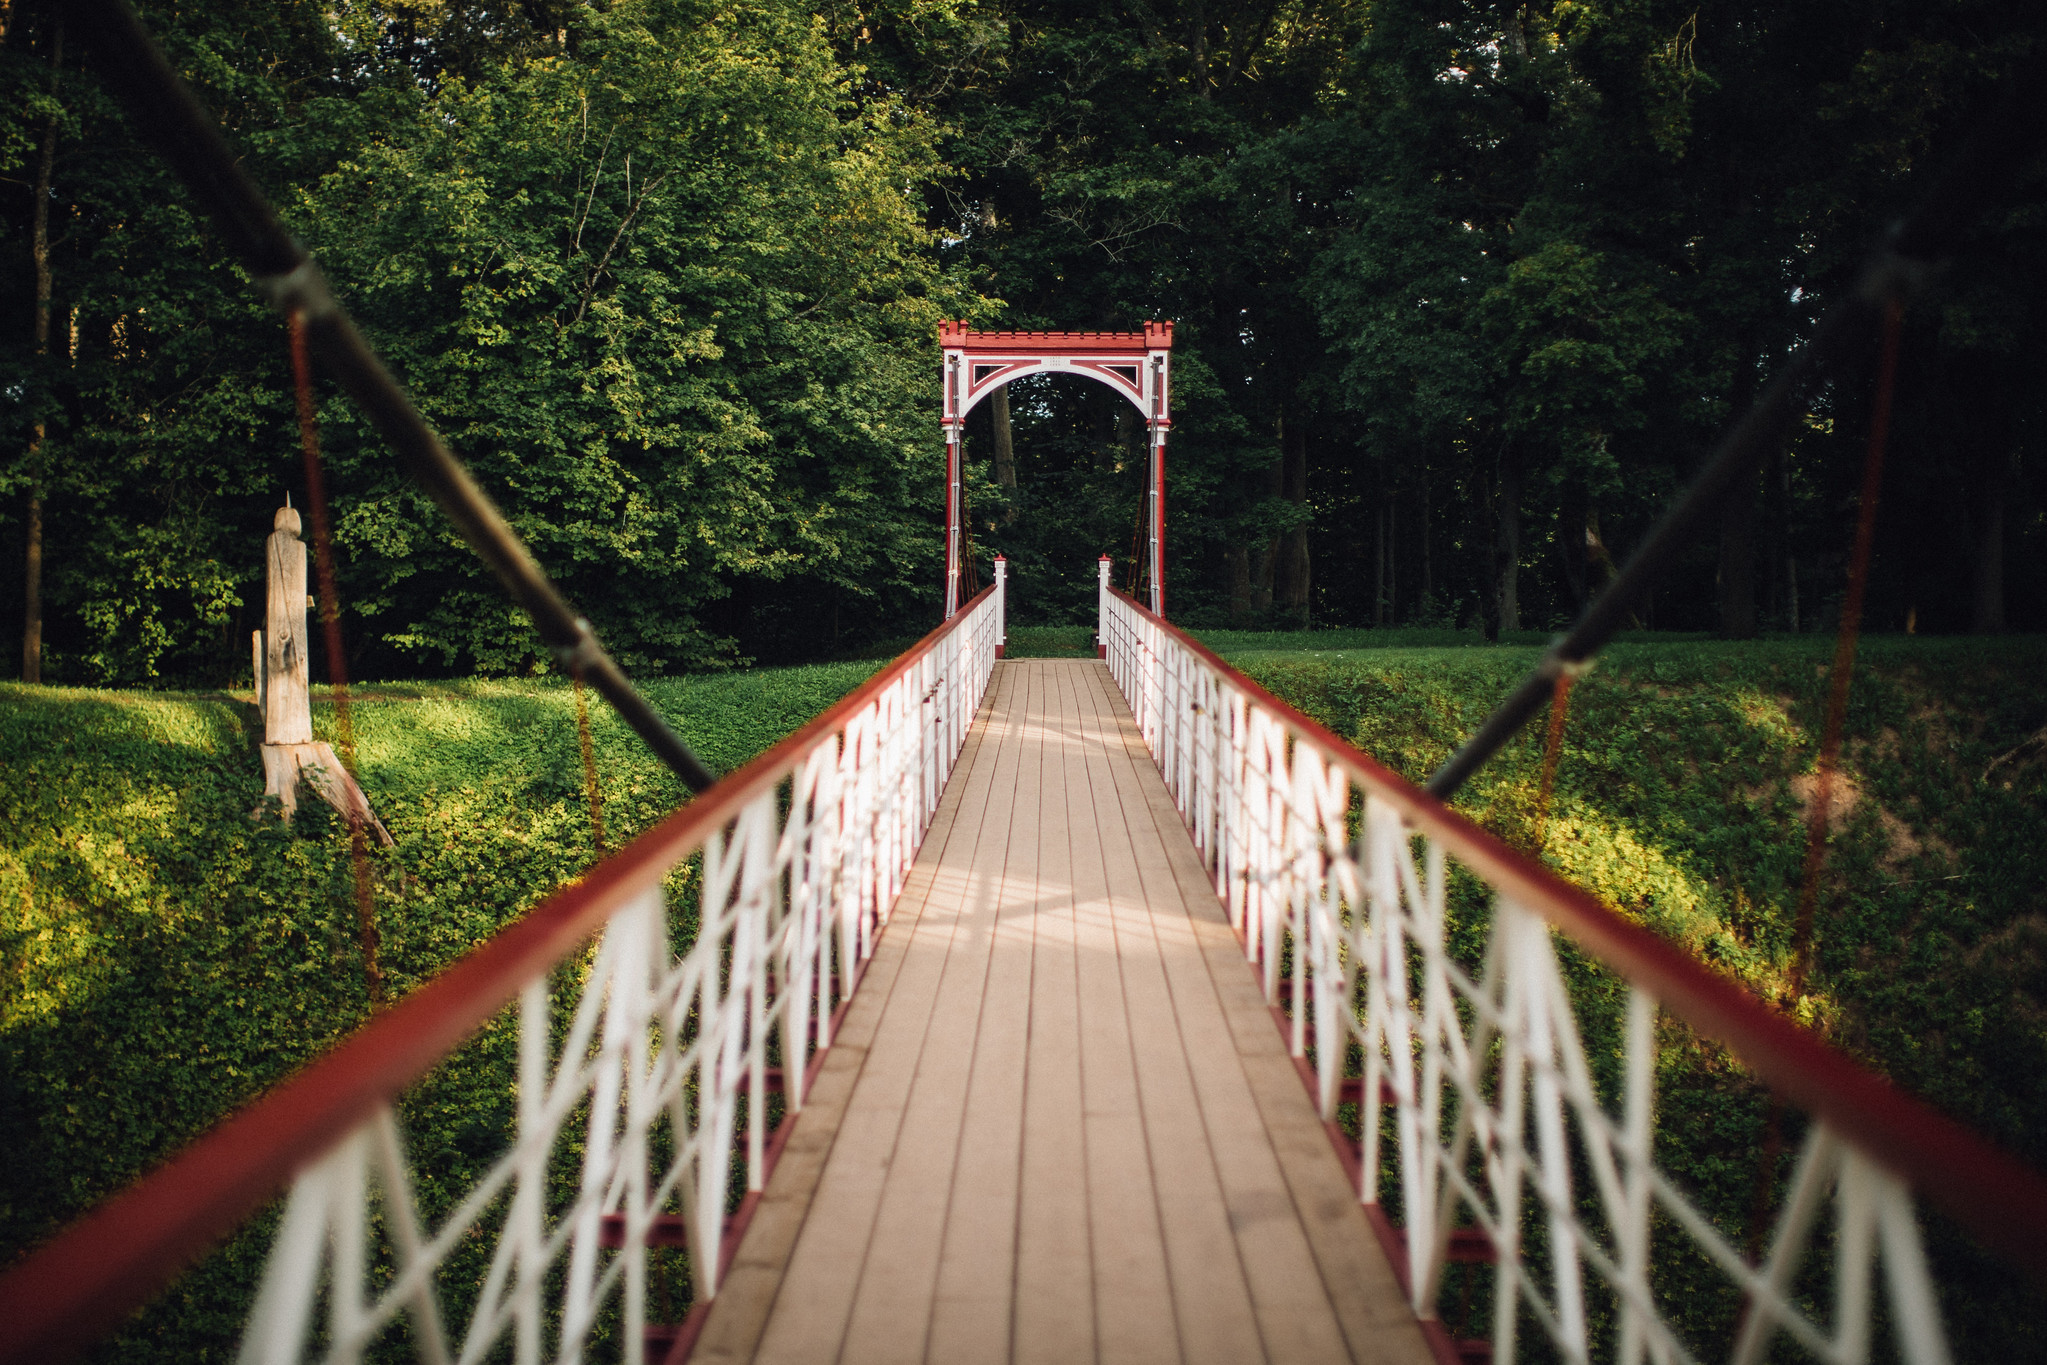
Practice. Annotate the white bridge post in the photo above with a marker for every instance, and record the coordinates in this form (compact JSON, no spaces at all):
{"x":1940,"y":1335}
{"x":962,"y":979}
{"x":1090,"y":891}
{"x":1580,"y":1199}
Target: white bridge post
{"x":1001,"y":605}
{"x":1102,"y":568}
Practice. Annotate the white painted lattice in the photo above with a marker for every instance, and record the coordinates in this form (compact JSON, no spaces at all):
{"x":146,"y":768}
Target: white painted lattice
{"x":667,"y":1060}
{"x":1481,"y":1076}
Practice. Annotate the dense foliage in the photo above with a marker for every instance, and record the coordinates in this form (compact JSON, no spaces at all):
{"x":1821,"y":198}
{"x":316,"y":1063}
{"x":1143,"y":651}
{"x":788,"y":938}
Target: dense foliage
{"x":167,"y":958}
{"x":1463,"y":292}
{"x":656,"y":269}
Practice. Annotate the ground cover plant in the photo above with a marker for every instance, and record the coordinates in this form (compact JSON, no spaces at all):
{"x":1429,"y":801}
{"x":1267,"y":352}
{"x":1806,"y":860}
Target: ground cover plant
{"x":1680,"y":800}
{"x":167,"y":957}
{"x":1049,"y":642}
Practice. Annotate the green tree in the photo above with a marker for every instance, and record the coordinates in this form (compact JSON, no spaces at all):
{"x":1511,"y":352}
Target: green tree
{"x":664,"y":290}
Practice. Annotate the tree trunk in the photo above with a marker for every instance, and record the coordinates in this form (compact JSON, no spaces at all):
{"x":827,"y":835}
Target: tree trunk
{"x":1293,"y":559}
{"x":1737,"y":577}
{"x":1507,"y":549}
{"x":1379,"y":564}
{"x":1987,"y":618}
{"x":1240,"y":587}
{"x":32,"y":593}
{"x":1574,"y":521}
{"x":1393,"y":558}
{"x":39,"y":252}
{"x":1428,"y":565}
{"x":1738,"y":560}
{"x":1786,"y":543}
{"x":1264,"y":577}
{"x":1005,"y":450}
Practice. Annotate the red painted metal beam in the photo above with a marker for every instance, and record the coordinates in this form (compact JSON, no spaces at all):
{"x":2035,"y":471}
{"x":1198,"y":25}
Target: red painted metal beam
{"x":1156,"y":336}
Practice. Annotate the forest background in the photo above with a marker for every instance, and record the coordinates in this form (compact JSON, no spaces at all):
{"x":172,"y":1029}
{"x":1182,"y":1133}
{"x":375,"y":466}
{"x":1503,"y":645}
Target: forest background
{"x":1463,"y":293}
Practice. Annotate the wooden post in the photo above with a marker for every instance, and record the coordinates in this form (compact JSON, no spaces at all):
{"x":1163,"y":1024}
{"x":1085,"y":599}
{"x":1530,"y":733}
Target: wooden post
{"x":1001,"y":605}
{"x":284,"y":688}
{"x":1102,"y":567}
{"x":288,"y":710}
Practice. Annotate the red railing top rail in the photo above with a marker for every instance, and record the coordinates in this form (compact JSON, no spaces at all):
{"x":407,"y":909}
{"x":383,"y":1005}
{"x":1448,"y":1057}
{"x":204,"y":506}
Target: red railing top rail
{"x":118,"y":1255}
{"x":1995,"y":1196}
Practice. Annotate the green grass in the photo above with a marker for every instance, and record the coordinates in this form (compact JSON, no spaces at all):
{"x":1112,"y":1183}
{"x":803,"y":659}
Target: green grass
{"x":1050,"y":642}
{"x":167,"y":958}
{"x":1679,"y":802}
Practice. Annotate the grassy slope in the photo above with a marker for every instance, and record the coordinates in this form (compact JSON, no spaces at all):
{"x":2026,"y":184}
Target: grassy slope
{"x":1679,"y":801}
{"x":166,"y":958}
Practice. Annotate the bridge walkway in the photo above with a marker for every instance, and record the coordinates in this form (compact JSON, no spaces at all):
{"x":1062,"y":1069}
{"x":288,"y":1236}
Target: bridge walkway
{"x":1058,"y":1123}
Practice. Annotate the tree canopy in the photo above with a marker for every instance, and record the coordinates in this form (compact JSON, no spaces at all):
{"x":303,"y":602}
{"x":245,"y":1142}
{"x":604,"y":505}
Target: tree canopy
{"x":1463,"y":293}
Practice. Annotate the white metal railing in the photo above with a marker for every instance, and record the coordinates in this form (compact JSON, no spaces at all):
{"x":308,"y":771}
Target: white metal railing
{"x":1477,"y":1072}
{"x":665,"y":1060}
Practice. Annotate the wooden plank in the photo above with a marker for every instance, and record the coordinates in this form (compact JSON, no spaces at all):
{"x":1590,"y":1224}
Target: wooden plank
{"x":1296,"y":1319}
{"x":1210,"y":1297}
{"x":972,"y":1315}
{"x":815,"y":1299}
{"x":1312,"y":1235}
{"x":1072,"y":1130}
{"x":740,"y":1313}
{"x":1054,"y":1310}
{"x":1133,"y":1299}
{"x":898,"y":1282}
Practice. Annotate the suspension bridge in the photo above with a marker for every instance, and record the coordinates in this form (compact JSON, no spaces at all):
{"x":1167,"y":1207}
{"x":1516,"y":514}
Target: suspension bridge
{"x":1040,"y":1010}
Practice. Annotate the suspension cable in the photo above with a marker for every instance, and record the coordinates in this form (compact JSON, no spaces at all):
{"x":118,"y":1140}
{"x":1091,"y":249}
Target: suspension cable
{"x":337,"y":661}
{"x":1552,"y":750}
{"x":164,"y":110}
{"x":593,"y":794}
{"x":1819,"y":819}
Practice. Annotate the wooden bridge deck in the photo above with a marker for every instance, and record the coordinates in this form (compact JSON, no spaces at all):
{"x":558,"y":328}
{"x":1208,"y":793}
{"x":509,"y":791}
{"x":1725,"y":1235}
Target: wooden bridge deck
{"x":1058,"y":1123}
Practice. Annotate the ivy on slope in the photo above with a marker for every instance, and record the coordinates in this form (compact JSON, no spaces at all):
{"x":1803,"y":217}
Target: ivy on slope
{"x":1680,"y":801}
{"x":166,"y":958}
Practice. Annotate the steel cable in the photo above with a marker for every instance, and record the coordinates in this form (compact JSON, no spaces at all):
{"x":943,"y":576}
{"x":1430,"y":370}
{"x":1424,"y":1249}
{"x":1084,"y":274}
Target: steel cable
{"x":337,"y":661}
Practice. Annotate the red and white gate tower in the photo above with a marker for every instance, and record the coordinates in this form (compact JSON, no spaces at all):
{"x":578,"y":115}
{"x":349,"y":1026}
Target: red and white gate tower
{"x":1137,"y":365}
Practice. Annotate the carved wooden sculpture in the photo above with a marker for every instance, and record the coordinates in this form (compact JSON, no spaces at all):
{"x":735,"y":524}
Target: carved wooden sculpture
{"x":284,"y":693}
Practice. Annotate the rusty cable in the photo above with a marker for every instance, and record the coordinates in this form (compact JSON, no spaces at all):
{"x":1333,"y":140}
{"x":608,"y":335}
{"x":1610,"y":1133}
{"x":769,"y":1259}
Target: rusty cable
{"x":337,"y":662}
{"x":592,"y":794}
{"x":1818,"y":818}
{"x":1552,"y":750}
